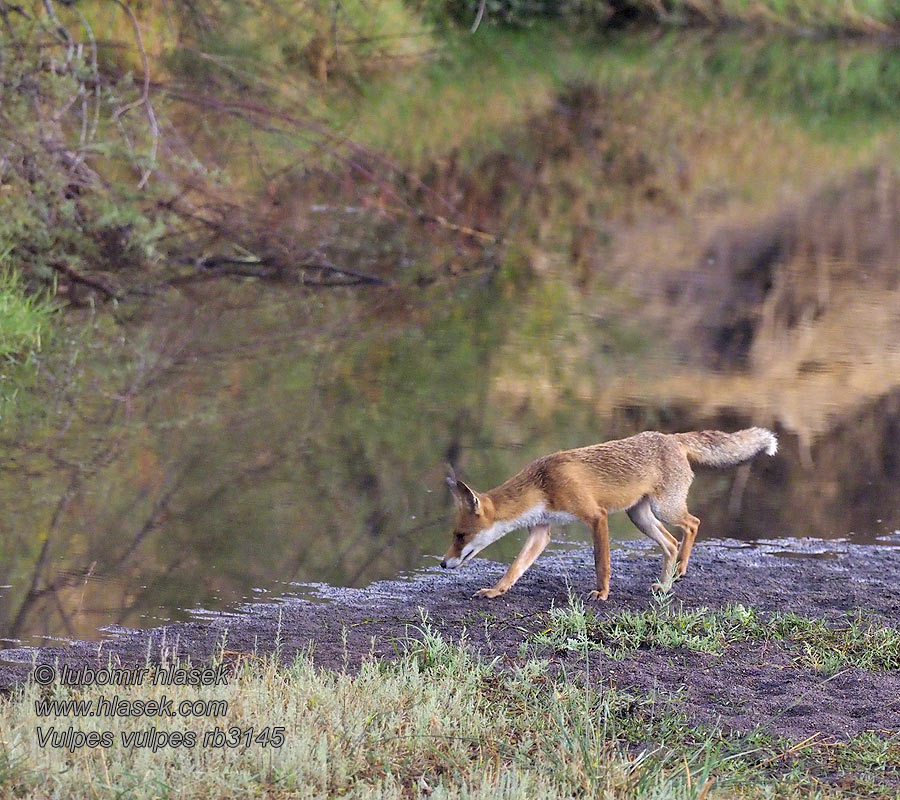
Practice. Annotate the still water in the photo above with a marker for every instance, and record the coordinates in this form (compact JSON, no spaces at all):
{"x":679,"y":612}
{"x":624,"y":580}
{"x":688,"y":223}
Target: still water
{"x":280,"y":459}
{"x":249,"y":439}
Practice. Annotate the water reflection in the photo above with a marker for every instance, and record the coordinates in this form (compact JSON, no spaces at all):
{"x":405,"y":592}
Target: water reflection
{"x":259,"y":437}
{"x":320,"y":457}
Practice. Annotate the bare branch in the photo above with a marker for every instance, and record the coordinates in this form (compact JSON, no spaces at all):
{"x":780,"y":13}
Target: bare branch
{"x":144,"y":99}
{"x":85,"y":280}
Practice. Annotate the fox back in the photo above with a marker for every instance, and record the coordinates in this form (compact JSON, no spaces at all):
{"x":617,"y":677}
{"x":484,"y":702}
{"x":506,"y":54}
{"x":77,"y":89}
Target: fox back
{"x":647,"y":475}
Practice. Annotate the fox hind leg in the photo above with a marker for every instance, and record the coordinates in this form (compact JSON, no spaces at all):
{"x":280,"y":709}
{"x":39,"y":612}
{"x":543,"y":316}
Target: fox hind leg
{"x":642,"y":516}
{"x":676,"y":513}
{"x":669,"y":503}
{"x":689,"y":524}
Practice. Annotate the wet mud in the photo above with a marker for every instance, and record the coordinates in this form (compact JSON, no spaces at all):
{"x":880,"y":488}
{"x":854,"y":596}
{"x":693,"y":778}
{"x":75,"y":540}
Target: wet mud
{"x":751,"y":685}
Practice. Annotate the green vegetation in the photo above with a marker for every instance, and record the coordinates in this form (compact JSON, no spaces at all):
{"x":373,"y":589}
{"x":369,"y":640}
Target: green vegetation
{"x":438,"y":720}
{"x":24,"y":319}
{"x":579,"y":628}
{"x":814,"y":642}
{"x":25,"y":324}
{"x":804,"y":17}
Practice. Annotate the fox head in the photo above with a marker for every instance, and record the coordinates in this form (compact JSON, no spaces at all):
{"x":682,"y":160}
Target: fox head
{"x":474,"y":524}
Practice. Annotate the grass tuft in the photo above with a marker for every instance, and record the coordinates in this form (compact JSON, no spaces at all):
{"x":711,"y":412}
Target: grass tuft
{"x":24,"y":318}
{"x":814,"y":642}
{"x":437,"y":720}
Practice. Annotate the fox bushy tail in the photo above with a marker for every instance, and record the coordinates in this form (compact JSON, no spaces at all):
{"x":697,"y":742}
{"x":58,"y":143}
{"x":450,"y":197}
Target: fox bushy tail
{"x":719,"y":449}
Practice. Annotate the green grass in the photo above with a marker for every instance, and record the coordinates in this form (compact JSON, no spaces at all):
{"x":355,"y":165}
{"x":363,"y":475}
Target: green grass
{"x":437,"y":720}
{"x":578,"y":628}
{"x":813,"y":642}
{"x":25,"y":326}
{"x":24,"y":318}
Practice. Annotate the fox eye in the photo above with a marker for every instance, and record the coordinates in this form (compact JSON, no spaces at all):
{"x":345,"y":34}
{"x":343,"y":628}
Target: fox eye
{"x":459,"y":537}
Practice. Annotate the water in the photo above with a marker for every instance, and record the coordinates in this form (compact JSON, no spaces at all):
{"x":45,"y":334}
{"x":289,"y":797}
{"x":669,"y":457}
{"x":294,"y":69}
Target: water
{"x":244,"y":440}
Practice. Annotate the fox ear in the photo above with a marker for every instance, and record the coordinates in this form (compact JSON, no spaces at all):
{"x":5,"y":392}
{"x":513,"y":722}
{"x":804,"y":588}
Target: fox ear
{"x":451,"y":477}
{"x":467,"y":498}
{"x":463,"y":495}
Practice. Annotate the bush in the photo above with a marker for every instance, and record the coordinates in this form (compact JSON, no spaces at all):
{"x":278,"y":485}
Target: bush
{"x":24,"y":318}
{"x":516,"y":13}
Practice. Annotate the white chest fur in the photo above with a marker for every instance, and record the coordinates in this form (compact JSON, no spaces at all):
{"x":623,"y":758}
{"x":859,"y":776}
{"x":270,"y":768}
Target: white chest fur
{"x":538,"y":515}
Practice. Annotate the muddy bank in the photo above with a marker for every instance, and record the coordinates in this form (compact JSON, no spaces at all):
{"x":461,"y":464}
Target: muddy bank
{"x":752,"y":684}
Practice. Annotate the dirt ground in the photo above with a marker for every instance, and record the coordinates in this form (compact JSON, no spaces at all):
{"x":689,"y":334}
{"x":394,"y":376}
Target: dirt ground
{"x":751,"y":684}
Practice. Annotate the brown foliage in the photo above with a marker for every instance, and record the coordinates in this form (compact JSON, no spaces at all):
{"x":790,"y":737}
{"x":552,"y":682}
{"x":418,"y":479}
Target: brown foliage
{"x":784,"y":271}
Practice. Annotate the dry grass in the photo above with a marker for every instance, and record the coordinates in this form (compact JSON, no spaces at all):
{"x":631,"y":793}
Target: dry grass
{"x":438,"y":721}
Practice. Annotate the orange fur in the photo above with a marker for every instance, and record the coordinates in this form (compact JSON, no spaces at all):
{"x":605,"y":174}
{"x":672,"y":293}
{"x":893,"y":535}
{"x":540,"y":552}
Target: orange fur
{"x":647,"y":475}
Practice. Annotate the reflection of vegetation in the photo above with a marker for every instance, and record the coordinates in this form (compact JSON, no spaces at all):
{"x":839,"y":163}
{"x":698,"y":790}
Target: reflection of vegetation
{"x":511,"y":212}
{"x":348,"y":430}
{"x":827,"y":85}
{"x":313,"y":455}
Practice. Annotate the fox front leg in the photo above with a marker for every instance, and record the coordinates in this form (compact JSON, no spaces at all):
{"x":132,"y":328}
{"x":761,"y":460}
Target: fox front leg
{"x":538,"y":539}
{"x":600,"y":529}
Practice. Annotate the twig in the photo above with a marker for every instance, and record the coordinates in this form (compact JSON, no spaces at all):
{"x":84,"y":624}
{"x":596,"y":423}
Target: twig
{"x":144,"y":99}
{"x":61,"y":30}
{"x":84,"y":280}
{"x":484,"y":236}
{"x":89,"y":134}
{"x":807,"y":742}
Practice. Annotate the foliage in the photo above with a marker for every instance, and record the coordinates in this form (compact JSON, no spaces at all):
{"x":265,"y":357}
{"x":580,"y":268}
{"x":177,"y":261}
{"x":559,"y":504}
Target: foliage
{"x":437,"y":720}
{"x":802,"y":16}
{"x":58,"y":215}
{"x":25,"y":324}
{"x":815,"y":643}
{"x":24,"y":318}
{"x":129,"y":130}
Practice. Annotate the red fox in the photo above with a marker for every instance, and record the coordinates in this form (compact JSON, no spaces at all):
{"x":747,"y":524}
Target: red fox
{"x":647,"y":476}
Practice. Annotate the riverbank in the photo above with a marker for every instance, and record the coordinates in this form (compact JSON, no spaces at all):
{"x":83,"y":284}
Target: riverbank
{"x":772,"y":667}
{"x":740,"y":684}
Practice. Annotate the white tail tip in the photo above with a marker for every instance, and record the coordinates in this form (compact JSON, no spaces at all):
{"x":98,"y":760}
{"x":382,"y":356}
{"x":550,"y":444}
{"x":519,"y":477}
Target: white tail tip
{"x":772,"y":447}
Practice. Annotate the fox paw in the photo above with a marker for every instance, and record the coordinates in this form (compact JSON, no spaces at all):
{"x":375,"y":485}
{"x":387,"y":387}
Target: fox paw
{"x":598,"y":595}
{"x":661,"y":587}
{"x":495,"y":592}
